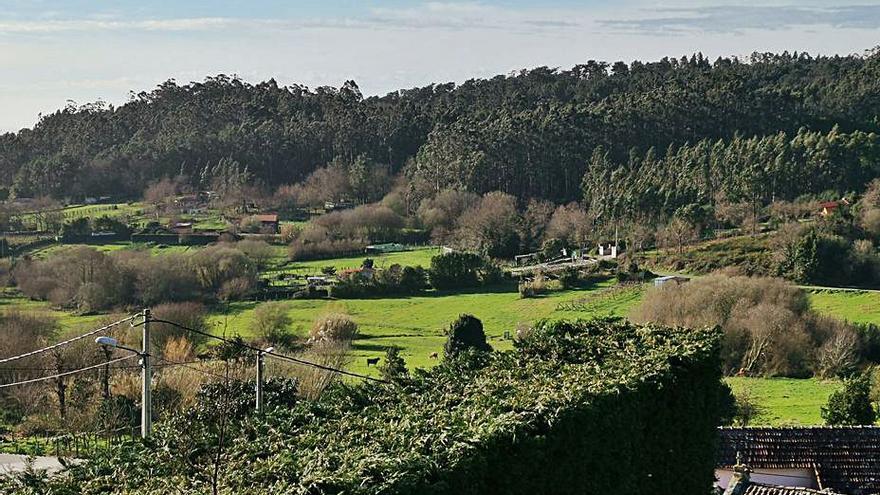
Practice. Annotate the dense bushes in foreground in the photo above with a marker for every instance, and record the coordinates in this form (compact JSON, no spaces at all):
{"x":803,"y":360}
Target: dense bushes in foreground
{"x":584,"y":407}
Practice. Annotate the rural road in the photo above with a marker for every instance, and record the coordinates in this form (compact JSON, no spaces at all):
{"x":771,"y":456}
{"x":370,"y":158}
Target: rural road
{"x":14,"y":463}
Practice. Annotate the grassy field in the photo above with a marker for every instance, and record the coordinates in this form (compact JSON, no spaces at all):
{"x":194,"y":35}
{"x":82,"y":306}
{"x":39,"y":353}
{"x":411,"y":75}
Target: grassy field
{"x":414,"y":257}
{"x":417,"y":324}
{"x":111,"y":247}
{"x":854,"y":306}
{"x":786,"y":401}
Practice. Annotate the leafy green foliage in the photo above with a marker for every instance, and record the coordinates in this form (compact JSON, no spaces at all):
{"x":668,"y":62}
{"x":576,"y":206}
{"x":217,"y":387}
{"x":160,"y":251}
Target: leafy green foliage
{"x":455,"y":270}
{"x":465,"y":333}
{"x":579,"y":407}
{"x":393,"y":367}
{"x":852,"y":404}
{"x":394,"y":280}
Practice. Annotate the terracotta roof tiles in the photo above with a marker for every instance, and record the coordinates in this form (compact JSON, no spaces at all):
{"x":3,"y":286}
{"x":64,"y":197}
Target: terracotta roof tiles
{"x":846,"y":458}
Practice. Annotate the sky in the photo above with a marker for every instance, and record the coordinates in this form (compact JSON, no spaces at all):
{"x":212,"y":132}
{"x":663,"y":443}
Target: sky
{"x":53,"y":52}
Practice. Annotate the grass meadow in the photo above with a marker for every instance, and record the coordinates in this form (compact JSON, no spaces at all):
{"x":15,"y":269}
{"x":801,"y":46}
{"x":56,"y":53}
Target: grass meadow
{"x":786,"y":401}
{"x":417,"y":324}
{"x":854,"y":306}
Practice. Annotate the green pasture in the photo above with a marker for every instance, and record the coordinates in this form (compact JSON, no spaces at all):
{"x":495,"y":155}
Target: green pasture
{"x":786,"y":401}
{"x":854,"y":306}
{"x":417,"y":324}
{"x":415,"y":257}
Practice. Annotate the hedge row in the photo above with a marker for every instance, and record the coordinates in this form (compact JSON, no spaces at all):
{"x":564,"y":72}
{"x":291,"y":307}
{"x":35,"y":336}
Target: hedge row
{"x":598,"y":407}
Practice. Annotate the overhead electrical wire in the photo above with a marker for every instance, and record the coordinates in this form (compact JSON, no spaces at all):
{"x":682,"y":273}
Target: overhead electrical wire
{"x":68,"y":341}
{"x":66,"y":373}
{"x":274,"y":354}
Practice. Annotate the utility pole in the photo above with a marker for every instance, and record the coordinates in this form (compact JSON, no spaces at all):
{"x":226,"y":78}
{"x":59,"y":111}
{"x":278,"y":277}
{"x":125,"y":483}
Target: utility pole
{"x":261,"y":362}
{"x":146,"y":380}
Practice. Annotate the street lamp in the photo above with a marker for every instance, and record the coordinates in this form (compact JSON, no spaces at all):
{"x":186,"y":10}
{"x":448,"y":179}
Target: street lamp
{"x":111,"y":342}
{"x":260,"y":363}
{"x":146,"y":372}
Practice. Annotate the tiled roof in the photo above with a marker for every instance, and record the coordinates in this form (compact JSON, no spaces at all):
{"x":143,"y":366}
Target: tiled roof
{"x":846,"y":458}
{"x":266,"y":218}
{"x":759,"y":489}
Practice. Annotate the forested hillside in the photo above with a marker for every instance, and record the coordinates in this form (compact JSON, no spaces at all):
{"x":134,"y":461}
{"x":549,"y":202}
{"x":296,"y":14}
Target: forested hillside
{"x":533,"y":134}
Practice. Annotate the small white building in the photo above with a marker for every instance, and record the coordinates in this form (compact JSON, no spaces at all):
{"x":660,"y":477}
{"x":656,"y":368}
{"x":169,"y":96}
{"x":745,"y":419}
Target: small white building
{"x":608,"y":251}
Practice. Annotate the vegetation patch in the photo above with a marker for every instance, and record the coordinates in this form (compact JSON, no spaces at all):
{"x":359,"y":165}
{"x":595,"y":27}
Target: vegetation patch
{"x":578,"y":407}
{"x":785,"y":401}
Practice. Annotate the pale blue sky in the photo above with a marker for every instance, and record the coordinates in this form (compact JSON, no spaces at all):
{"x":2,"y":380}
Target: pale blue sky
{"x":52,"y":51}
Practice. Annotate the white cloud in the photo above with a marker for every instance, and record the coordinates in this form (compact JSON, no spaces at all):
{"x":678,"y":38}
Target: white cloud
{"x":738,"y":18}
{"x":431,"y":15}
{"x":61,"y":26}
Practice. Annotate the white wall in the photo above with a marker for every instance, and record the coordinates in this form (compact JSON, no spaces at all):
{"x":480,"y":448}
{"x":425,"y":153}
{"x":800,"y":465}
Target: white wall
{"x":804,"y":478}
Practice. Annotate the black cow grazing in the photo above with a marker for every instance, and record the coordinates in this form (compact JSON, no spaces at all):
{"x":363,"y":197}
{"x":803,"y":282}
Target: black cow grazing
{"x":373,"y":361}
{"x":433,"y":355}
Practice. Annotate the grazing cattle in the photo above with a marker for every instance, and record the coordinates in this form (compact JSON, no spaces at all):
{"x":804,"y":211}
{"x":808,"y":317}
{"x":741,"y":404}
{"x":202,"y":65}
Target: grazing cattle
{"x":372,"y":361}
{"x":433,"y":355}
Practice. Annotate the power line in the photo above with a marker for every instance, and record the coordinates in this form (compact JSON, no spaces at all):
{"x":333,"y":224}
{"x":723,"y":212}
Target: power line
{"x":66,"y":342}
{"x":186,"y":365}
{"x":67,"y":373}
{"x":273,"y":354}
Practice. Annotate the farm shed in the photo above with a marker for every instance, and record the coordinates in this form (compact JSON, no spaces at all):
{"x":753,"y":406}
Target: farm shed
{"x":268,"y":222}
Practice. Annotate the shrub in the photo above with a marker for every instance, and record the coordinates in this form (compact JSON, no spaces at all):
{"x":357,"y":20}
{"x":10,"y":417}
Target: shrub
{"x":260,"y":252}
{"x":768,"y":326}
{"x":747,"y":407}
{"x":333,"y":327}
{"x":571,"y":224}
{"x":394,"y":280}
{"x":413,"y":279}
{"x":250,"y":224}
{"x":539,"y":285}
{"x":272,"y":323}
{"x":369,"y":222}
{"x":569,"y":278}
{"x":851,"y":405}
{"x":289,"y":232}
{"x":455,"y":271}
{"x":465,"y":333}
{"x":217,"y":265}
{"x":159,"y":279}
{"x":491,"y":273}
{"x":393,"y":367}
{"x":301,"y":249}
{"x":189,"y":314}
{"x":61,"y":278}
{"x":839,"y":354}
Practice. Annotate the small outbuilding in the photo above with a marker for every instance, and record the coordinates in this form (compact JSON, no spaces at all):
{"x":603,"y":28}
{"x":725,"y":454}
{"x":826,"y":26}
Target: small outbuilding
{"x":673,"y":279}
{"x":268,"y":222}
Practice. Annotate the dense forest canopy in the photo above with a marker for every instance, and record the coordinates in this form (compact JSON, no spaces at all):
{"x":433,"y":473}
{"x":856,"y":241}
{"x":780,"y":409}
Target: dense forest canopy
{"x":532,"y":134}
